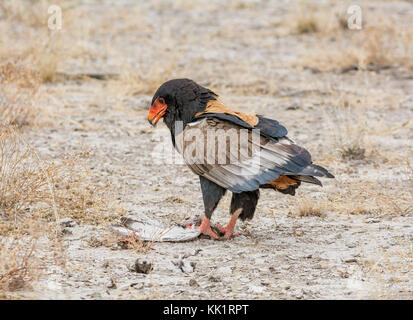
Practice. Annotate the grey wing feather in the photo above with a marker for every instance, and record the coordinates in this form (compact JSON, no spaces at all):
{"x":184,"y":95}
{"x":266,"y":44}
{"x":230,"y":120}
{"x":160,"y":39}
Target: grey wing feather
{"x":273,"y":157}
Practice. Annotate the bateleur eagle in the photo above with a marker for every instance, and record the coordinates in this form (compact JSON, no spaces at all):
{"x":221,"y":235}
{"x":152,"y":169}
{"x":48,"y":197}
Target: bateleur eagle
{"x":230,"y":150}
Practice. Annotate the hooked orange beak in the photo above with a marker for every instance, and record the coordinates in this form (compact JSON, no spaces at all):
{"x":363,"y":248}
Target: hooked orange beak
{"x":157,"y":111}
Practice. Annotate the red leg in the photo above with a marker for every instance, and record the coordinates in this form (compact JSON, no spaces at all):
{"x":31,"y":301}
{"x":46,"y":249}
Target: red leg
{"x":228,"y":230}
{"x":205,"y":228}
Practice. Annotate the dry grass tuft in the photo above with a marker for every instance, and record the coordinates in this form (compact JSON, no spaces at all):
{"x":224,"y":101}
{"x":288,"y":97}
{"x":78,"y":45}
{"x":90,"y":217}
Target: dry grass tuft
{"x":24,"y":178}
{"x":353,"y":152}
{"x":27,"y":240}
{"x":348,"y":126}
{"x":29,"y":185}
{"x":114,"y":241}
{"x":18,"y":91}
{"x":316,"y":20}
{"x":381,"y":43}
{"x":24,"y":35}
{"x":45,"y":59}
{"x":307,"y":207}
{"x":356,"y":195}
{"x":134,"y":243}
{"x":306,"y":25}
{"x":79,"y":197}
{"x":18,"y":266}
{"x":33,"y":195}
{"x":31,"y":251}
{"x":33,"y":13}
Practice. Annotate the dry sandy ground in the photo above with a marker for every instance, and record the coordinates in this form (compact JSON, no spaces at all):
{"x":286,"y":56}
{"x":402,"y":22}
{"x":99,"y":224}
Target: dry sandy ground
{"x":351,"y":239}
{"x":278,"y":255}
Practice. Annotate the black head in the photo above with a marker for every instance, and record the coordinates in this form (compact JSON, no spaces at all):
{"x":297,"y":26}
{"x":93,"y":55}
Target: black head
{"x":178,"y":100}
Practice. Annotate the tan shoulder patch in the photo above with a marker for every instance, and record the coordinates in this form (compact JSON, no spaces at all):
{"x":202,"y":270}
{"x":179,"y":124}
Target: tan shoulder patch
{"x":282,"y":182}
{"x":216,"y":106}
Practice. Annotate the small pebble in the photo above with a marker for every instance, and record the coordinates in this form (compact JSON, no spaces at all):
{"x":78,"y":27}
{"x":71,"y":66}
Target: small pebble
{"x":67,"y":222}
{"x":141,"y":267}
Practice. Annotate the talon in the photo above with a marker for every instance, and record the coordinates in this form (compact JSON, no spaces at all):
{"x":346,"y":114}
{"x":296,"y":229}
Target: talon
{"x":220,"y":228}
{"x":230,"y":234}
{"x":227,"y":231}
{"x":205,"y":228}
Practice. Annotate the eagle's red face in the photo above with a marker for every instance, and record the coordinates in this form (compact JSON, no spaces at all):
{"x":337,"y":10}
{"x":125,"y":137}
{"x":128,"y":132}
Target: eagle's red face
{"x":157,"y":111}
